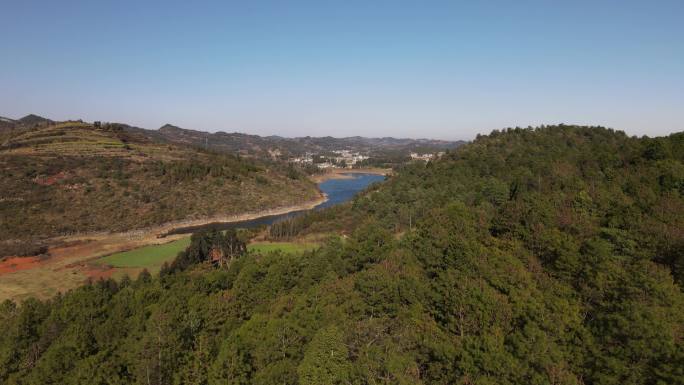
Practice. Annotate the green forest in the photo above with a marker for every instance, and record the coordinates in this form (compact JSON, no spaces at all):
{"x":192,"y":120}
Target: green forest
{"x":549,"y":255}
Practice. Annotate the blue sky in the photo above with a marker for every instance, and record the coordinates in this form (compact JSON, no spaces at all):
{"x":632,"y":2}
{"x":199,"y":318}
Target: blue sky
{"x":446,"y":69}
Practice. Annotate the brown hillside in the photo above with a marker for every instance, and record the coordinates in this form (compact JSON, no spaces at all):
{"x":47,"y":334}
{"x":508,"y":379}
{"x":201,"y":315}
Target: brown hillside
{"x":75,"y":177}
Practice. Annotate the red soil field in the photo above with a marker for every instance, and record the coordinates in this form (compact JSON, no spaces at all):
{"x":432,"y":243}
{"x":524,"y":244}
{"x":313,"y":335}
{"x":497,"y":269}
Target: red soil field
{"x":13,"y":264}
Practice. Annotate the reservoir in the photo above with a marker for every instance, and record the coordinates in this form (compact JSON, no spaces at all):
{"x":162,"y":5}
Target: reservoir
{"x":337,"y":190}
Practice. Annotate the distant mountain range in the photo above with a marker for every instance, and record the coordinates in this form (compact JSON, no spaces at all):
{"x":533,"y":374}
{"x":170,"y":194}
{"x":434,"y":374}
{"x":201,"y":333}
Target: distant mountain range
{"x":255,"y":145}
{"x":260,"y":145}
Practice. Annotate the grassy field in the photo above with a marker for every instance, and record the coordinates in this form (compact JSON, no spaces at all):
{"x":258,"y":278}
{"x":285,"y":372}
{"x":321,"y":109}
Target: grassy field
{"x":149,"y":257}
{"x":285,"y":247}
{"x":153,"y":256}
{"x":40,"y":282}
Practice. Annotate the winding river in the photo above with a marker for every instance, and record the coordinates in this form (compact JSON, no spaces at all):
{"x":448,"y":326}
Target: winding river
{"x":337,"y":190}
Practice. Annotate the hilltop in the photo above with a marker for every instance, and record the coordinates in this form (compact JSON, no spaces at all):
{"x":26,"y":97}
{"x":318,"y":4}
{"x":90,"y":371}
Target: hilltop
{"x":72,"y":177}
{"x":34,"y":120}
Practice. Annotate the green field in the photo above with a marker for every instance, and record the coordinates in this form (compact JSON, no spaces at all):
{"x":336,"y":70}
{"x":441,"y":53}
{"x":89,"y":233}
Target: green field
{"x":285,"y":247}
{"x":150,"y":257}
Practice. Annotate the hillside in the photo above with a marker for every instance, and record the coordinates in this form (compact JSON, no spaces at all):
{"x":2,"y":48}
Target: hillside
{"x":74,"y":177}
{"x":7,"y":123}
{"x":546,"y":256}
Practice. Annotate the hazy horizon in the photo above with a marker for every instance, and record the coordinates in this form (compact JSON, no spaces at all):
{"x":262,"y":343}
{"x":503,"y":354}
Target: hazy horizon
{"x":300,"y":136}
{"x":400,"y":69}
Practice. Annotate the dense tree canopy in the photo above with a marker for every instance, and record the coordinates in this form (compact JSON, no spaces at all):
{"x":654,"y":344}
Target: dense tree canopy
{"x":530,"y":256}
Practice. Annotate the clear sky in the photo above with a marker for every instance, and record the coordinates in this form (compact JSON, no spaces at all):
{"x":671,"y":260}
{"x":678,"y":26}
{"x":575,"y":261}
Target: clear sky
{"x":446,"y":69}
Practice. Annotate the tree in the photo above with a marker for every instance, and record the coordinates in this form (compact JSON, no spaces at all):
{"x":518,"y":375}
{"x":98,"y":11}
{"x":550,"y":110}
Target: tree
{"x":325,"y":360}
{"x":214,"y":246}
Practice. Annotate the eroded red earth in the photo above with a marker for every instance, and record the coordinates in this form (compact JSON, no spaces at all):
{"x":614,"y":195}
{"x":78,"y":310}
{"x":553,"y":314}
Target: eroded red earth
{"x":12,"y":264}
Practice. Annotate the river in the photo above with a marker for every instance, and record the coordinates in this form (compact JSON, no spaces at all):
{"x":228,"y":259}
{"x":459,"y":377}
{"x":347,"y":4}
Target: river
{"x":337,"y":190}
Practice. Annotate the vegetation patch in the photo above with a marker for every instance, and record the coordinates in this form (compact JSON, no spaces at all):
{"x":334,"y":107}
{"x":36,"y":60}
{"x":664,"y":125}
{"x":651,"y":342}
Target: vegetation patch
{"x":285,"y":247}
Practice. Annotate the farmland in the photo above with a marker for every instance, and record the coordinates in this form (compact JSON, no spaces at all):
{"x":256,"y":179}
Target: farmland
{"x":148,"y":257}
{"x":152,"y":257}
{"x":72,"y":264}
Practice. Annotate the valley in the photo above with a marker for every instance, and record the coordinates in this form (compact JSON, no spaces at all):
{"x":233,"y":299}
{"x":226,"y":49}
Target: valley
{"x":67,"y":261}
{"x":342,"y":193}
{"x":532,"y":227}
{"x":63,"y":179}
{"x":74,"y":178}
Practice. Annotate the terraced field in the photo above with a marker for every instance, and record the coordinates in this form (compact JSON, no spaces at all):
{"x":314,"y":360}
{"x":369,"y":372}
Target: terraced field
{"x":81,"y":140}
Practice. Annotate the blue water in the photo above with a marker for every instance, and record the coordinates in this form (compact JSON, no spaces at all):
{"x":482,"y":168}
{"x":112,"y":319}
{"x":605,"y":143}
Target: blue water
{"x":337,"y":190}
{"x":343,"y":190}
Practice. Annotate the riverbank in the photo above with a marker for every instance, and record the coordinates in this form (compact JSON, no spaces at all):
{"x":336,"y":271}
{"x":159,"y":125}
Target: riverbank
{"x":343,"y":173}
{"x":71,"y":259}
{"x":161,"y":231}
{"x":75,"y":258}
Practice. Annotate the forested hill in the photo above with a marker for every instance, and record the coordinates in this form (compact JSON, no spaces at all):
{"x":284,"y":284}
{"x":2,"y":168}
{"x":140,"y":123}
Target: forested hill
{"x":546,"y":256}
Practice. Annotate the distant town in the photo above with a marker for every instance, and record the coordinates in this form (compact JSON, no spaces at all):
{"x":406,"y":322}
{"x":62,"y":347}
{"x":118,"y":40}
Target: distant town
{"x":348,"y":158}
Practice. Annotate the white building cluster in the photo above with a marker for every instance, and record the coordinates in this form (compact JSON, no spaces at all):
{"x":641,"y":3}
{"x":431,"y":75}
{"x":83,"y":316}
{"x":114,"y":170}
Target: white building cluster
{"x":426,"y":157}
{"x":304,"y":159}
{"x":349,"y":158}
{"x":341,"y":159}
